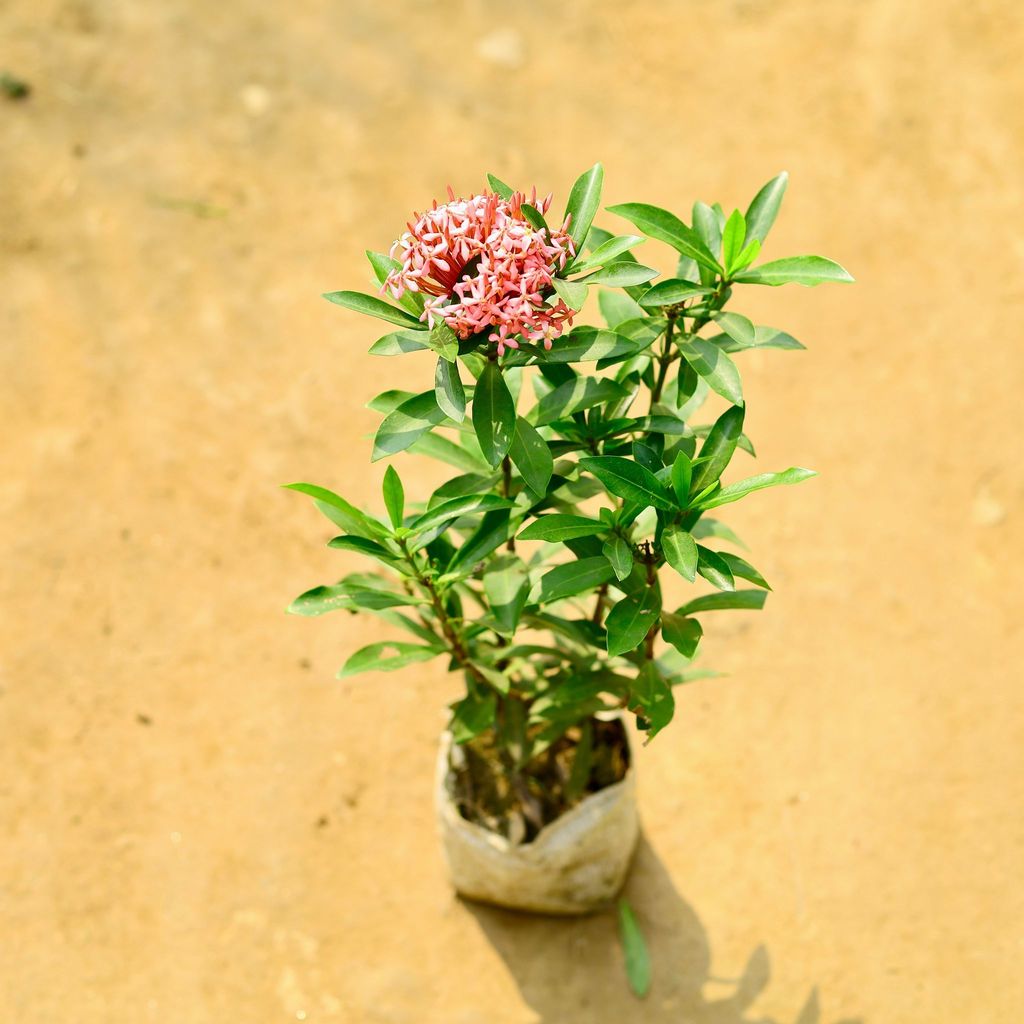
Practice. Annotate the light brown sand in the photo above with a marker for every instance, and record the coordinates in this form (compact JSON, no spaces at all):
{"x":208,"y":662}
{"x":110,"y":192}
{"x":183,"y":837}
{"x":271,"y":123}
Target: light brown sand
{"x":199,"y":824}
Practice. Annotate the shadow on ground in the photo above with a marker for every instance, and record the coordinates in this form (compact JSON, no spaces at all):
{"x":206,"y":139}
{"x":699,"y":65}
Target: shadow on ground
{"x":571,"y":970}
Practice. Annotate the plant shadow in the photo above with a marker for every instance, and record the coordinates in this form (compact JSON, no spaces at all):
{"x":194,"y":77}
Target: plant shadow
{"x":571,"y":970}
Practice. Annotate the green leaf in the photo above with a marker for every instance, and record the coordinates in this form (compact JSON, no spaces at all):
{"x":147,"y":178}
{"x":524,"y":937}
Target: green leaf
{"x":772,"y":337}
{"x":628,"y":480}
{"x":398,"y":343}
{"x":582,"y":760}
{"x":621,"y":275}
{"x":560,"y":526}
{"x":455,"y":507}
{"x":492,"y":532}
{"x":448,"y":390}
{"x":715,"y":367}
{"x":742,"y":599}
{"x":706,"y":224}
{"x":340,"y":512}
{"x":733,"y":239}
{"x":364,"y":547}
{"x":747,"y":255}
{"x":738,"y":327}
{"x":441,"y":448}
{"x":376,"y":658}
{"x":462,"y":485}
{"x":654,"y":696}
{"x":617,"y":308}
{"x":531,"y":455}
{"x":473,"y":715}
{"x":805,"y":270}
{"x":620,"y":555}
{"x":344,"y":597}
{"x":389,"y":401}
{"x":714,"y":568}
{"x":497,"y":185}
{"x":394,"y":496}
{"x":764,"y":337}
{"x":372,"y":306}
{"x":382,"y":266}
{"x":682,"y":633}
{"x":705,"y":528}
{"x":416,"y":628}
{"x":409,"y":422}
{"x":535,"y":217}
{"x":494,"y":414}
{"x":507,"y":586}
{"x":743,"y":569}
{"x":764,"y":208}
{"x":628,"y":622}
{"x":667,"y":227}
{"x":444,"y":341}
{"x":682,"y":474}
{"x":717,"y":449}
{"x":668,"y":293}
{"x":733,"y":492}
{"x":584,"y":200}
{"x":574,"y":395}
{"x":647,"y":456}
{"x":572,"y":293}
{"x":607,"y":251}
{"x":680,"y":551}
{"x":574,"y":578}
{"x":586,"y":344}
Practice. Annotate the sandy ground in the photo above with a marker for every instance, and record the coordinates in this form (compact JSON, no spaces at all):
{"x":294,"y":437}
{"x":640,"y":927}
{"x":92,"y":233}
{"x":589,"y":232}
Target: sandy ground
{"x":198,"y":823}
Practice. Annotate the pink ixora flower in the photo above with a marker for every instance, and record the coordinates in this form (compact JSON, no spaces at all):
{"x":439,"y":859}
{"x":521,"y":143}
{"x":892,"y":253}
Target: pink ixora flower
{"x":483,"y":264}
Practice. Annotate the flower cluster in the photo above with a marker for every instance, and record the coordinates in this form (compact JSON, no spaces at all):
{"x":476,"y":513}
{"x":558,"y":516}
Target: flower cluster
{"x":483,"y":264}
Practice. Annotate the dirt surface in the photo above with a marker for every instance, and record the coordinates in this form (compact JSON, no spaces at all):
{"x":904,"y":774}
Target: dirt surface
{"x":198,"y":823}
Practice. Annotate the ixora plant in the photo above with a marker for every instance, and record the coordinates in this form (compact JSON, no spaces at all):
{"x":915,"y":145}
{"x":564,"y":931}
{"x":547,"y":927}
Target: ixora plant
{"x":584,"y":473}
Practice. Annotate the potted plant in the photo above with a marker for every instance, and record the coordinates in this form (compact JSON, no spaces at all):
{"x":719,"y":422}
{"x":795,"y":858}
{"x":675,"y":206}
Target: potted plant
{"x":583,"y":473}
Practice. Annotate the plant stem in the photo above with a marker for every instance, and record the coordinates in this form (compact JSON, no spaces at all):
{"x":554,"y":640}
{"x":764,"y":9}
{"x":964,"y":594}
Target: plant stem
{"x":451,"y":634}
{"x":652,"y":580}
{"x":506,"y":488}
{"x":664,"y":360}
